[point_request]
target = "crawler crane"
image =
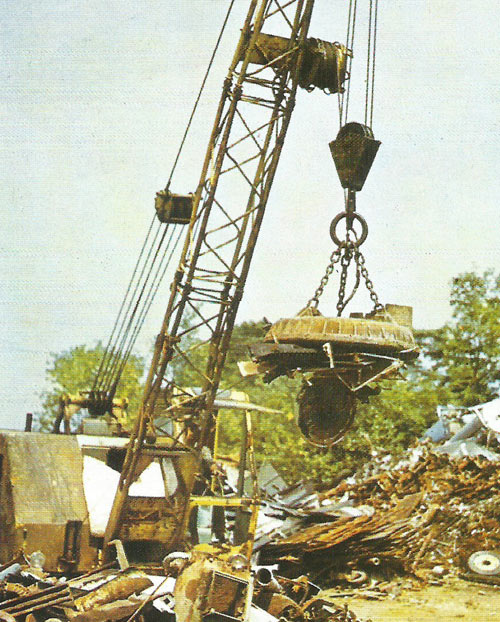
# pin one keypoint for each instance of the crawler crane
(339, 357)
(223, 218)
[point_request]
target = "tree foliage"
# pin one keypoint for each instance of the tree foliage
(459, 364)
(466, 351)
(74, 370)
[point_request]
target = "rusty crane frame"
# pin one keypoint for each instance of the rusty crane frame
(226, 212)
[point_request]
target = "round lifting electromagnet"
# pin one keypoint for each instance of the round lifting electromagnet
(342, 359)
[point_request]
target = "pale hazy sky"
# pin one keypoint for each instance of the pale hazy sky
(95, 99)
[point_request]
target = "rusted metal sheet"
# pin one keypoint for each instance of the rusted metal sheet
(210, 586)
(116, 610)
(429, 516)
(46, 477)
(43, 503)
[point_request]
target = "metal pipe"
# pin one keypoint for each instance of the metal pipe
(265, 578)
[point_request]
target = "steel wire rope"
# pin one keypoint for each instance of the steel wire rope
(368, 61)
(109, 378)
(118, 337)
(124, 353)
(117, 320)
(155, 285)
(340, 92)
(188, 127)
(351, 26)
(373, 61)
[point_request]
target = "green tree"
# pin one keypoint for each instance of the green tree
(74, 370)
(466, 351)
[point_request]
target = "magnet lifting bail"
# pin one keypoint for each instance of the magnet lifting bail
(350, 217)
(359, 238)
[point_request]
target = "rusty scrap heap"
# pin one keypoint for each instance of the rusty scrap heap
(28, 594)
(423, 518)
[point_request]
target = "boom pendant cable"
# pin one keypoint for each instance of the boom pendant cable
(133, 307)
(104, 361)
(155, 284)
(129, 317)
(111, 352)
(188, 127)
(373, 61)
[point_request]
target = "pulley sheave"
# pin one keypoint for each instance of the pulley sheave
(353, 152)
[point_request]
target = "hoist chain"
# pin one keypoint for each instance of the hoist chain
(345, 262)
(334, 259)
(344, 255)
(342, 302)
(346, 252)
(360, 262)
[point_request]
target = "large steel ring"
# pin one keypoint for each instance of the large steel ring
(355, 216)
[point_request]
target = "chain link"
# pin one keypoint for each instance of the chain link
(344, 262)
(343, 302)
(347, 250)
(334, 259)
(344, 255)
(360, 261)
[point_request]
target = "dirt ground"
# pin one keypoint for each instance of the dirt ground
(458, 600)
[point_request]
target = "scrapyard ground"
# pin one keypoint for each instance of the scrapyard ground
(453, 601)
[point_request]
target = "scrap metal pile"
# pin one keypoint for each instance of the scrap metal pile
(423, 518)
(30, 595)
